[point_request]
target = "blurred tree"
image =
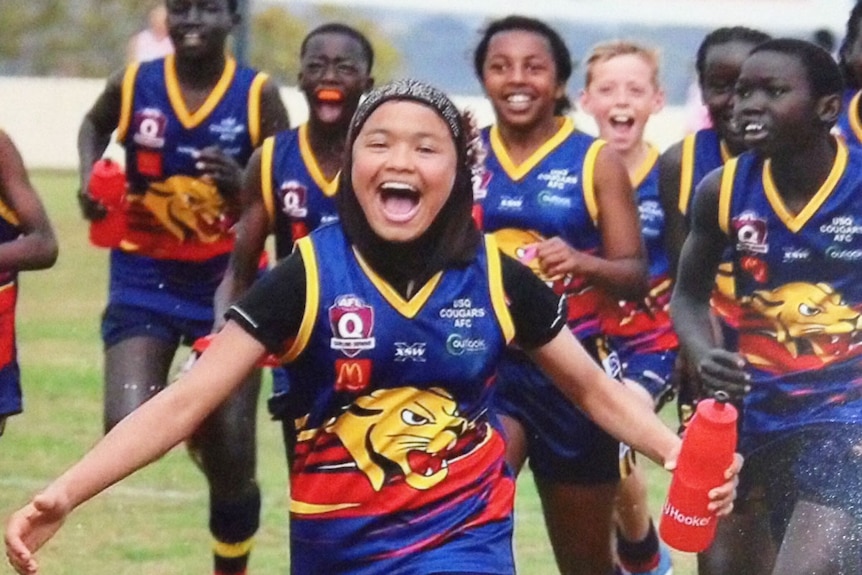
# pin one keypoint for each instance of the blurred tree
(88, 38)
(277, 35)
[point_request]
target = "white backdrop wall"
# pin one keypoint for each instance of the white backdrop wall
(42, 115)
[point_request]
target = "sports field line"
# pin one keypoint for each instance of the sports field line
(31, 484)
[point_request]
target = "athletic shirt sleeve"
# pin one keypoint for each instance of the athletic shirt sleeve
(271, 311)
(537, 312)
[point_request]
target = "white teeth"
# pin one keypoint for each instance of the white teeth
(518, 98)
(753, 127)
(620, 118)
(397, 186)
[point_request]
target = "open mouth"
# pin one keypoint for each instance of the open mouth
(622, 122)
(400, 200)
(754, 131)
(192, 38)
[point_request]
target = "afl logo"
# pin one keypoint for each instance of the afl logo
(352, 324)
(750, 233)
(294, 199)
(149, 127)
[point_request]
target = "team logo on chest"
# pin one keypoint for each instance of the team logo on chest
(294, 199)
(149, 126)
(352, 324)
(750, 233)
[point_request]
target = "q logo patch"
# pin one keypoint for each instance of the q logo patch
(294, 199)
(352, 324)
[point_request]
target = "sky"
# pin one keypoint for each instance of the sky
(775, 15)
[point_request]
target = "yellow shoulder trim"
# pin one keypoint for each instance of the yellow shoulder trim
(853, 115)
(254, 107)
(328, 187)
(266, 159)
(312, 299)
(725, 193)
(588, 180)
(127, 93)
(686, 173)
(498, 294)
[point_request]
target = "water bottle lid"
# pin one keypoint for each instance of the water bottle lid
(717, 411)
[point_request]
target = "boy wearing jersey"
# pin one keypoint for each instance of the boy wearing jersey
(27, 242)
(559, 201)
(789, 212)
(291, 180)
(188, 123)
(621, 93)
(399, 468)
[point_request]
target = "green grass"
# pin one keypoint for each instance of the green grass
(155, 521)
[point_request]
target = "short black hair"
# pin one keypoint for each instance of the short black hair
(822, 70)
(339, 28)
(726, 35)
(850, 38)
(233, 6)
(559, 50)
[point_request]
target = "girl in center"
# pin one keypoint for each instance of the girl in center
(561, 202)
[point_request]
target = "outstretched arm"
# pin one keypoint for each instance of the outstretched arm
(36, 248)
(142, 437)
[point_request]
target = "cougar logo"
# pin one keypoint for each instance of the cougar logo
(799, 311)
(187, 207)
(403, 431)
(520, 244)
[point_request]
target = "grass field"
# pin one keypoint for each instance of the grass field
(154, 523)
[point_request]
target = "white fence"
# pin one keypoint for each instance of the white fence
(42, 115)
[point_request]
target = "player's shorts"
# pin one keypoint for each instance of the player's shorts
(820, 464)
(563, 444)
(121, 322)
(653, 372)
(10, 374)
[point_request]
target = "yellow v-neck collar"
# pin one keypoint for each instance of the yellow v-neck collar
(189, 119)
(795, 222)
(328, 187)
(407, 308)
(518, 171)
(646, 166)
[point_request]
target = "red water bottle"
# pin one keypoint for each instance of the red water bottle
(108, 187)
(707, 451)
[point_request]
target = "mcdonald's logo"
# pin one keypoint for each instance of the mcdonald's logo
(352, 375)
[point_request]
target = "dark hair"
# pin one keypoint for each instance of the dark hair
(559, 50)
(726, 35)
(850, 38)
(233, 6)
(338, 28)
(822, 71)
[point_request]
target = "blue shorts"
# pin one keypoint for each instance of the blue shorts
(652, 371)
(121, 322)
(818, 464)
(563, 444)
